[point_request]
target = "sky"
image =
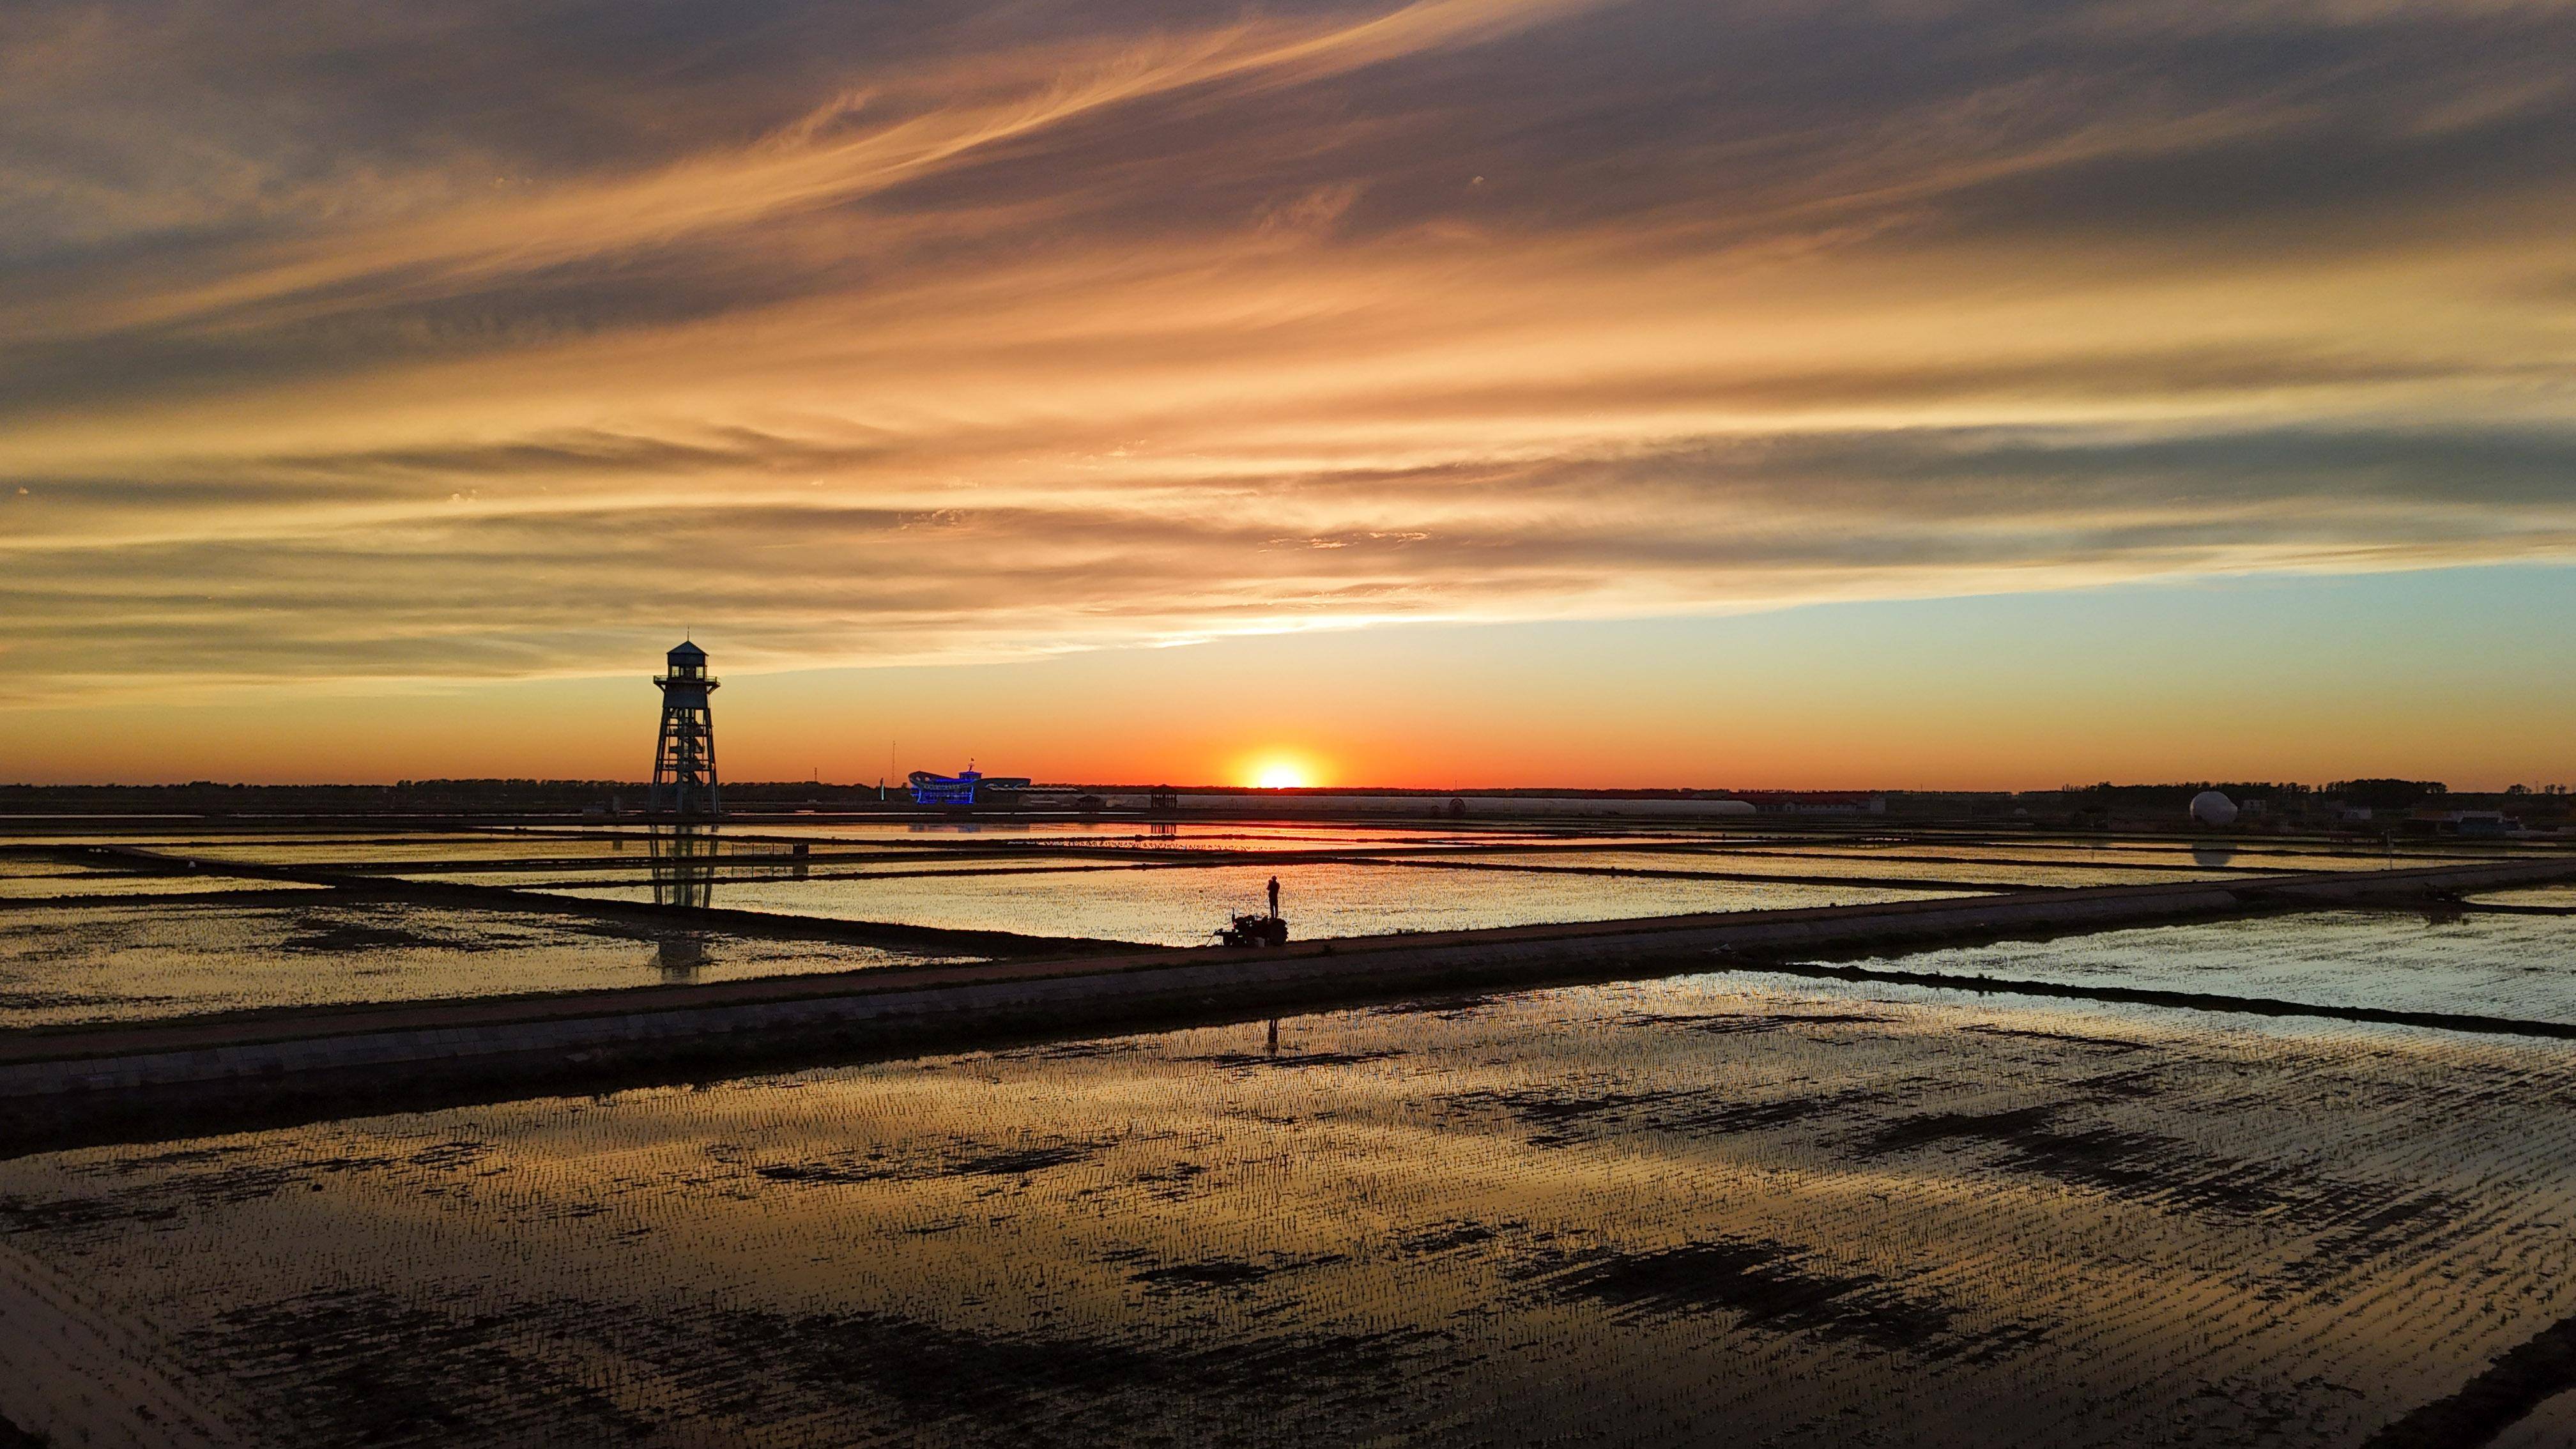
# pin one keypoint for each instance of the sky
(1947, 395)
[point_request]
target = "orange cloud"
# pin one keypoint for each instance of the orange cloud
(948, 335)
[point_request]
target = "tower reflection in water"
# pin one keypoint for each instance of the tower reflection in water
(686, 860)
(684, 874)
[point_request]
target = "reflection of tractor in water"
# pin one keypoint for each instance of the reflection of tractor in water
(1267, 930)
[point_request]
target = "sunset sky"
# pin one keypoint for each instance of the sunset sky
(1449, 393)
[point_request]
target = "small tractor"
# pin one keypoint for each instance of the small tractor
(1255, 931)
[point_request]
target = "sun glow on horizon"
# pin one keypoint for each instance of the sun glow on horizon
(1275, 772)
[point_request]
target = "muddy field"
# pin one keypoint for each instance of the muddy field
(1735, 1208)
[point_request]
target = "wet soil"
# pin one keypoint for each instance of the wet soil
(1779, 1286)
(2516, 1383)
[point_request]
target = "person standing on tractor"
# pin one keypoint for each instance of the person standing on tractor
(1274, 898)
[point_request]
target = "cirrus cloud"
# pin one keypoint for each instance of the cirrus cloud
(358, 341)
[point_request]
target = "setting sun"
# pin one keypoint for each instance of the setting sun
(1277, 774)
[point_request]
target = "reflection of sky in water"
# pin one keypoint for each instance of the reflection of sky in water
(739, 868)
(175, 839)
(1213, 835)
(1785, 863)
(1182, 907)
(181, 956)
(1683, 1212)
(337, 852)
(115, 963)
(973, 841)
(2556, 897)
(20, 868)
(2522, 967)
(2240, 855)
(37, 888)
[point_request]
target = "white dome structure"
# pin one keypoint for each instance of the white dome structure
(2211, 808)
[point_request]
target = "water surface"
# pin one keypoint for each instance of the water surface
(1717, 1209)
(64, 966)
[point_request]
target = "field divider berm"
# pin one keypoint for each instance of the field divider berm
(67, 1085)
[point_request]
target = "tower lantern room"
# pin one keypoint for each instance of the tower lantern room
(684, 757)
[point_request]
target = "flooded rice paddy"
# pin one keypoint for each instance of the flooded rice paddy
(1815, 864)
(1707, 1209)
(2513, 966)
(2555, 898)
(63, 966)
(139, 925)
(1181, 907)
(2256, 855)
(1732, 1207)
(38, 887)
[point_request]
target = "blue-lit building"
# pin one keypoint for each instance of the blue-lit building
(965, 788)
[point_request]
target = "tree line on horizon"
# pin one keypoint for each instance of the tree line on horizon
(507, 794)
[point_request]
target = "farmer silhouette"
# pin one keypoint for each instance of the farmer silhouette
(1274, 898)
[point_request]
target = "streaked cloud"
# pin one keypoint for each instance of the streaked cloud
(372, 342)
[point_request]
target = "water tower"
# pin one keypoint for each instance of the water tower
(684, 761)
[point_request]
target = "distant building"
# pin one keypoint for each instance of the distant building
(966, 788)
(2475, 824)
(1815, 802)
